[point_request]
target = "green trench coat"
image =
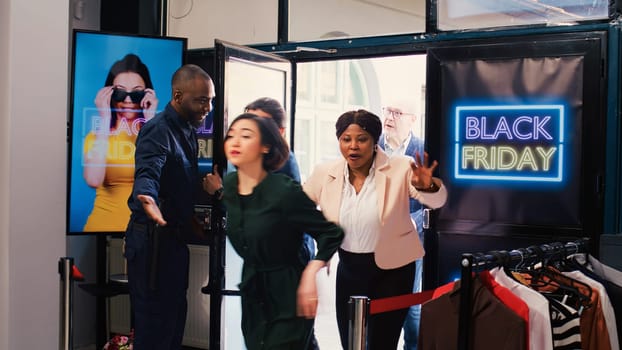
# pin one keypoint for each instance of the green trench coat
(266, 229)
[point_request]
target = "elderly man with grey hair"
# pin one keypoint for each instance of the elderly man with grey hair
(398, 138)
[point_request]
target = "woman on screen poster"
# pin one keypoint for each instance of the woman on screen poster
(124, 104)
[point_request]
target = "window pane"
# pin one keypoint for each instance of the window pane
(313, 20)
(397, 82)
(470, 14)
(353, 84)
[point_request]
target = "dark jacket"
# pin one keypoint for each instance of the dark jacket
(166, 168)
(266, 230)
(493, 326)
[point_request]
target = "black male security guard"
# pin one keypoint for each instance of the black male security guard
(166, 181)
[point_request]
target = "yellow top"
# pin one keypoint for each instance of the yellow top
(110, 211)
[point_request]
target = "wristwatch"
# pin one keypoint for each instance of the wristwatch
(218, 193)
(433, 188)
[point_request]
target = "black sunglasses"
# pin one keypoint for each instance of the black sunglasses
(119, 95)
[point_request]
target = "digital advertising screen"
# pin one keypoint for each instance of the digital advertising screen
(118, 83)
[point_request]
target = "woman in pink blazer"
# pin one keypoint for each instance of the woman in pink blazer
(367, 193)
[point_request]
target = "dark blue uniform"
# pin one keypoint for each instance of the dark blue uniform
(158, 257)
(290, 168)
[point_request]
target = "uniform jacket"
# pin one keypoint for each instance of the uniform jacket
(166, 168)
(398, 242)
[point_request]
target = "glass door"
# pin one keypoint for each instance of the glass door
(324, 90)
(242, 75)
(328, 88)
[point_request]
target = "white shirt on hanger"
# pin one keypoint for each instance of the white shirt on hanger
(607, 308)
(540, 333)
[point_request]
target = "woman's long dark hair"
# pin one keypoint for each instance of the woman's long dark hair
(129, 63)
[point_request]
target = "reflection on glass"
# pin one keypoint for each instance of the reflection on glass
(369, 83)
(245, 82)
(246, 79)
(314, 20)
(303, 84)
(359, 86)
(471, 14)
(329, 80)
(303, 125)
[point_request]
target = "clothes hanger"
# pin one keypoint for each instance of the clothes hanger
(547, 275)
(542, 275)
(509, 269)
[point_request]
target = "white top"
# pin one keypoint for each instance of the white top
(359, 215)
(606, 272)
(540, 333)
(605, 302)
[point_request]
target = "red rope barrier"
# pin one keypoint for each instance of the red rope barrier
(399, 302)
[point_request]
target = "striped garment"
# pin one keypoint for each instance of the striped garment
(565, 325)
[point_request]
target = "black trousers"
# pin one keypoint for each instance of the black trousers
(158, 281)
(358, 274)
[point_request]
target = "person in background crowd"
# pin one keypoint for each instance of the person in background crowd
(166, 183)
(267, 216)
(125, 102)
(367, 193)
(400, 115)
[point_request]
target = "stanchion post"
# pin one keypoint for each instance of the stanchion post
(65, 266)
(357, 322)
(464, 317)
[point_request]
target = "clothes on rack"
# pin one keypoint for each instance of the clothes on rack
(540, 331)
(565, 326)
(593, 326)
(604, 303)
(508, 299)
(494, 325)
(560, 301)
(610, 278)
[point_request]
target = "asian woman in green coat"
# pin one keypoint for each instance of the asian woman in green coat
(267, 215)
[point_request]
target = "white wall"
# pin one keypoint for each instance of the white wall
(84, 14)
(33, 96)
(4, 175)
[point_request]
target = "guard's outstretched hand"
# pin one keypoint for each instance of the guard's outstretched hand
(151, 209)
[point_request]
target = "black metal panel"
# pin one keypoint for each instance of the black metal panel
(462, 234)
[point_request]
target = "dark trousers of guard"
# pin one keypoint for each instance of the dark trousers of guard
(157, 267)
(358, 274)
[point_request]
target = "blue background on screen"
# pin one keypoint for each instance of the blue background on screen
(94, 55)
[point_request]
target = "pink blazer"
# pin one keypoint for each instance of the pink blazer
(398, 242)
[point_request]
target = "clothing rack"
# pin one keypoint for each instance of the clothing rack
(480, 261)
